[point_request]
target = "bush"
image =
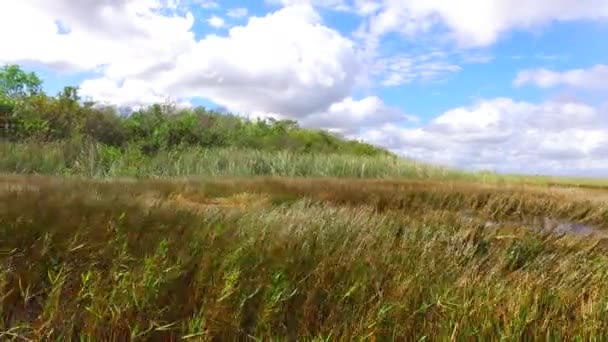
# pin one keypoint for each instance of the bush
(159, 127)
(106, 127)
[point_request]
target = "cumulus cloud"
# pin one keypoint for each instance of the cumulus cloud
(594, 78)
(131, 93)
(120, 37)
(349, 115)
(473, 23)
(286, 62)
(508, 136)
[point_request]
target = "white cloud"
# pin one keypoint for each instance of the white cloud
(594, 78)
(207, 4)
(132, 92)
(339, 5)
(216, 22)
(361, 8)
(477, 22)
(428, 66)
(507, 136)
(237, 12)
(401, 69)
(285, 65)
(123, 38)
(367, 7)
(349, 115)
(286, 62)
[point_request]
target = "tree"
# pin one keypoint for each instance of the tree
(69, 94)
(16, 83)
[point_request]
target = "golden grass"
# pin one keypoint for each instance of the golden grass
(290, 258)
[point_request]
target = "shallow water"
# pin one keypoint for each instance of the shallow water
(548, 224)
(560, 227)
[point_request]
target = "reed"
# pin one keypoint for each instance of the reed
(269, 258)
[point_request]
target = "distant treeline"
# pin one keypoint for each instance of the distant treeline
(28, 114)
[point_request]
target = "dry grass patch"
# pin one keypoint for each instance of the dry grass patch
(242, 201)
(287, 259)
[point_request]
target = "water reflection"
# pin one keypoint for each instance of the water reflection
(543, 225)
(564, 227)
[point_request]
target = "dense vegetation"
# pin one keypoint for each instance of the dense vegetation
(260, 259)
(28, 114)
(97, 160)
(65, 135)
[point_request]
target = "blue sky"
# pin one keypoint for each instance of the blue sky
(502, 85)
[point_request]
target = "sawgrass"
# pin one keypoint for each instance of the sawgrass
(96, 160)
(99, 161)
(269, 258)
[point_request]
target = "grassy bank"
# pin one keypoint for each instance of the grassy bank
(275, 258)
(98, 160)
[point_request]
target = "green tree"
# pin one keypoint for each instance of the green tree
(27, 113)
(16, 83)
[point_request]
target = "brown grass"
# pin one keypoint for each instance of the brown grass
(276, 258)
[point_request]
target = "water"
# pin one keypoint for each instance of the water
(566, 227)
(548, 224)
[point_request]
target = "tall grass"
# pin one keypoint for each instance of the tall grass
(96, 160)
(160, 260)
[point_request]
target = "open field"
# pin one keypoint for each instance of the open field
(314, 258)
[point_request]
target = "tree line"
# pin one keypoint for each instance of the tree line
(27, 113)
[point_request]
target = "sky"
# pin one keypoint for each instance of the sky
(505, 85)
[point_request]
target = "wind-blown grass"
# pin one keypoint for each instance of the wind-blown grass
(96, 160)
(263, 259)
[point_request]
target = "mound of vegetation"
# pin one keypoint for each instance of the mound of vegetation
(28, 114)
(63, 134)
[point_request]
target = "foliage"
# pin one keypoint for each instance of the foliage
(33, 115)
(16, 83)
(89, 158)
(16, 86)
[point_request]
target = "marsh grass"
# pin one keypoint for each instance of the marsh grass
(268, 258)
(90, 159)
(96, 160)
